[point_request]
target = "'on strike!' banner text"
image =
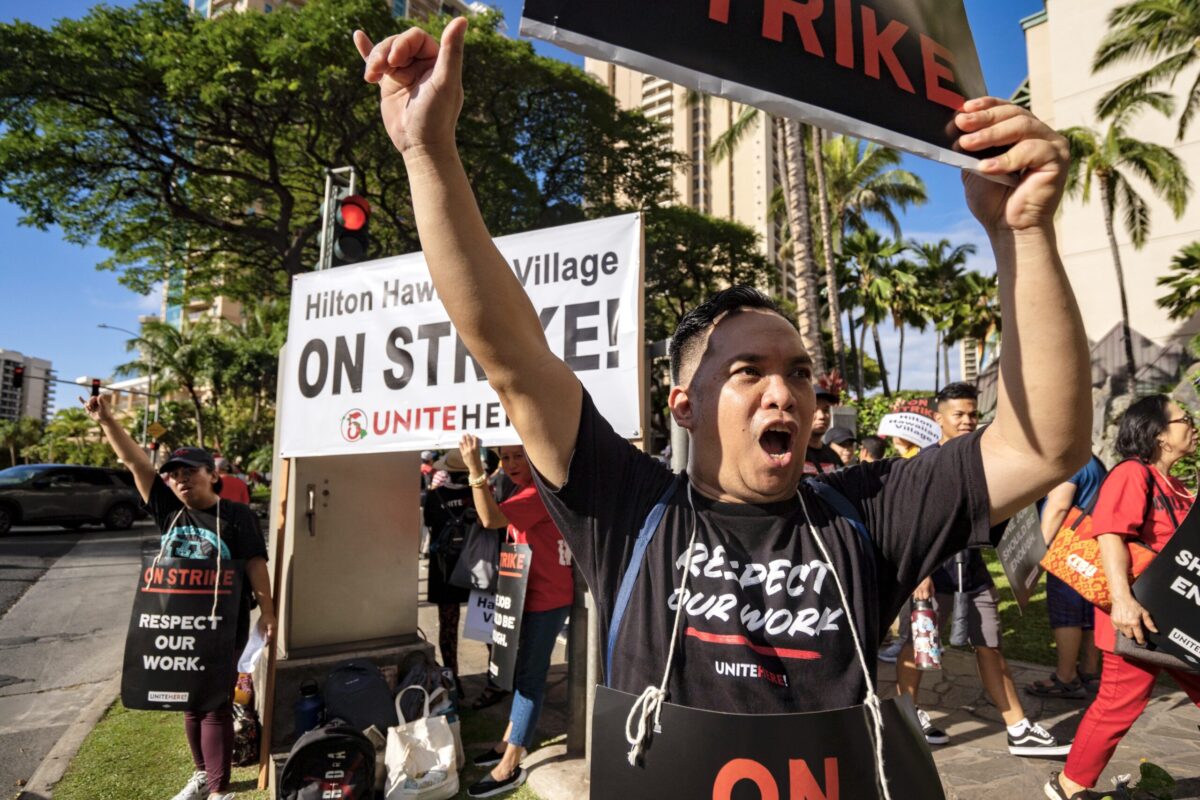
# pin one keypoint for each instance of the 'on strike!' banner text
(373, 363)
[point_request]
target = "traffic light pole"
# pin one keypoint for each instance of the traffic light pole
(334, 183)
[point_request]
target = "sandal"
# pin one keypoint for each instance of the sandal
(1056, 688)
(1091, 683)
(491, 695)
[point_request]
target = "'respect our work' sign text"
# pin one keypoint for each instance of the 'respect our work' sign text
(894, 71)
(373, 363)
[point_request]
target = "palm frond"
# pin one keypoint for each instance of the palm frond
(1135, 214)
(724, 145)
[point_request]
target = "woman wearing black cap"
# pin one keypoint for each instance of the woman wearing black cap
(195, 523)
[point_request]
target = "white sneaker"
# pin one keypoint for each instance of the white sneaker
(229, 796)
(196, 788)
(933, 734)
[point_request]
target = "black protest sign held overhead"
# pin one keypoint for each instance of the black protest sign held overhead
(822, 755)
(179, 654)
(511, 583)
(1021, 551)
(1170, 590)
(894, 71)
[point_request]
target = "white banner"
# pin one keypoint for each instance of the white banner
(373, 363)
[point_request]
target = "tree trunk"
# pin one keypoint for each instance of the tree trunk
(887, 392)
(12, 454)
(862, 354)
(900, 359)
(795, 192)
(831, 283)
(198, 409)
(946, 362)
(854, 357)
(937, 351)
(1126, 330)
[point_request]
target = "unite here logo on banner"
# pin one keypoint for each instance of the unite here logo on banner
(373, 363)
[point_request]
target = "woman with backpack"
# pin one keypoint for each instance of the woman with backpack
(1139, 501)
(548, 598)
(183, 495)
(449, 514)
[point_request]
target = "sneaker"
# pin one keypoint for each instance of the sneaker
(933, 734)
(229, 796)
(1036, 741)
(889, 653)
(489, 786)
(488, 758)
(196, 788)
(1055, 791)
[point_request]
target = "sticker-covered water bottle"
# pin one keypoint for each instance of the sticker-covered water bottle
(927, 644)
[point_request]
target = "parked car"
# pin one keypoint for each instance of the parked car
(68, 495)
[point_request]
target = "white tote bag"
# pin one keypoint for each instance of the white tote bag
(420, 757)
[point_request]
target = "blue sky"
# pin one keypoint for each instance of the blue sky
(55, 298)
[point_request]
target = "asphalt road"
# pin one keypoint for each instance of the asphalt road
(64, 607)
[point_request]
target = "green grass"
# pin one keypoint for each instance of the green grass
(143, 755)
(1028, 636)
(139, 755)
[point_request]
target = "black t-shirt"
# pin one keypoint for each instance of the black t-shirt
(194, 535)
(765, 631)
(975, 575)
(819, 460)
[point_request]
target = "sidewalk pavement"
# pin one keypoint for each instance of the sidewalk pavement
(61, 646)
(975, 765)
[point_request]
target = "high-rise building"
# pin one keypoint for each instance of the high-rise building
(34, 396)
(737, 188)
(1063, 91)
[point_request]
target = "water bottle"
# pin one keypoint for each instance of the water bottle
(927, 644)
(309, 708)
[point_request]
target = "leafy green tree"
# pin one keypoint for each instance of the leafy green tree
(70, 437)
(1109, 158)
(865, 179)
(194, 149)
(1166, 30)
(1183, 300)
(19, 434)
(972, 312)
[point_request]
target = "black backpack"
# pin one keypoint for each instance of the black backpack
(357, 693)
(447, 544)
(333, 762)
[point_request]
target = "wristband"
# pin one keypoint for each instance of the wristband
(476, 483)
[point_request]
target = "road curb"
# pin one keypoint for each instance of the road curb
(54, 765)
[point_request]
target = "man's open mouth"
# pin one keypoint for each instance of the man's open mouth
(776, 442)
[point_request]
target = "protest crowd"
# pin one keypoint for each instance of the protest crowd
(768, 578)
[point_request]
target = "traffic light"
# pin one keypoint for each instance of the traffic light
(18, 379)
(95, 387)
(350, 239)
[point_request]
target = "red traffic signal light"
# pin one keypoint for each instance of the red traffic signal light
(95, 387)
(18, 378)
(350, 239)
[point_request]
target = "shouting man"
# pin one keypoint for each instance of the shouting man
(742, 385)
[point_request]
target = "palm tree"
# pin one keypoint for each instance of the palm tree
(73, 425)
(878, 279)
(792, 157)
(939, 267)
(1183, 301)
(864, 179)
(1168, 30)
(909, 308)
(973, 312)
(1110, 158)
(177, 355)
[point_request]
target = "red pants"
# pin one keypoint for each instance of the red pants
(1125, 688)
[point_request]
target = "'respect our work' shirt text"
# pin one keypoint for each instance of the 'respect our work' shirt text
(764, 630)
(194, 535)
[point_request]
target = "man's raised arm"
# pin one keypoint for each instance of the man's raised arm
(1042, 430)
(421, 96)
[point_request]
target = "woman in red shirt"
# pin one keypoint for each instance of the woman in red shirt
(548, 600)
(1138, 500)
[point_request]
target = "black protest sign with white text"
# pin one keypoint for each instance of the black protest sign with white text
(512, 579)
(894, 71)
(1170, 590)
(179, 653)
